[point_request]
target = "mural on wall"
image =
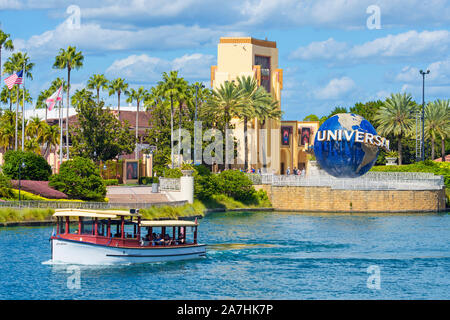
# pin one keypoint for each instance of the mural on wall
(132, 170)
(285, 132)
(305, 134)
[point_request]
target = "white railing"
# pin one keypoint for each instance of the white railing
(370, 181)
(169, 184)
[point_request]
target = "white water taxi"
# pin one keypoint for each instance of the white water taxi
(114, 237)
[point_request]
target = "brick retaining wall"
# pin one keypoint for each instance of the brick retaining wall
(326, 199)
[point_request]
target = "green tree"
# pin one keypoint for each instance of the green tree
(138, 96)
(97, 82)
(437, 124)
(17, 62)
(118, 86)
(258, 103)
(36, 167)
(68, 59)
(5, 43)
(367, 110)
(396, 117)
(311, 117)
(99, 134)
(79, 178)
(172, 87)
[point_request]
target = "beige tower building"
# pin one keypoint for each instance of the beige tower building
(246, 56)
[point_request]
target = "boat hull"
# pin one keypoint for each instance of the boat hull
(77, 252)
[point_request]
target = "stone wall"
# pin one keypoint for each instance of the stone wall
(325, 199)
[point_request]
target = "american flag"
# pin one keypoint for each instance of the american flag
(13, 79)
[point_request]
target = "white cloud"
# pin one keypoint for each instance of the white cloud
(342, 14)
(439, 74)
(335, 89)
(407, 45)
(144, 69)
(92, 38)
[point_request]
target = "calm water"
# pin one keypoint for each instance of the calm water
(255, 256)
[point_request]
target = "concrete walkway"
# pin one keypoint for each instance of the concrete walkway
(142, 194)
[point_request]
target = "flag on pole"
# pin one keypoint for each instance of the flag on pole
(51, 101)
(13, 79)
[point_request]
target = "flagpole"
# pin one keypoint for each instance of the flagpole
(23, 106)
(17, 119)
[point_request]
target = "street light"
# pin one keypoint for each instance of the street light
(195, 123)
(22, 165)
(423, 112)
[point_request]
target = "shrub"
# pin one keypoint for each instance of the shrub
(438, 168)
(111, 182)
(205, 186)
(237, 185)
(36, 167)
(173, 173)
(5, 186)
(79, 178)
(148, 180)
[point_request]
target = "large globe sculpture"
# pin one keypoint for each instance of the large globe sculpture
(345, 158)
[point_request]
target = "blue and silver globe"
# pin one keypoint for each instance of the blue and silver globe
(345, 159)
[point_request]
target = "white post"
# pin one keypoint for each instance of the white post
(187, 188)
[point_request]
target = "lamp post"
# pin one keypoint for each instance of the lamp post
(22, 165)
(423, 112)
(195, 123)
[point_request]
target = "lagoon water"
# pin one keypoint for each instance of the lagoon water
(255, 255)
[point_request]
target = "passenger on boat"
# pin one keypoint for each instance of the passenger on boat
(158, 240)
(180, 239)
(167, 240)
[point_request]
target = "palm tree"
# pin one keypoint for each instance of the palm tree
(257, 103)
(17, 62)
(97, 82)
(50, 138)
(68, 59)
(7, 130)
(171, 86)
(40, 102)
(396, 117)
(137, 95)
(118, 86)
(6, 96)
(437, 124)
(7, 44)
(225, 101)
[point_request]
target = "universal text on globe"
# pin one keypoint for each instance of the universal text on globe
(353, 136)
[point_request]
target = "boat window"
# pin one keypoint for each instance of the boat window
(61, 225)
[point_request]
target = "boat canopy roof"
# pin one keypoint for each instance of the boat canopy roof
(94, 213)
(168, 223)
(69, 213)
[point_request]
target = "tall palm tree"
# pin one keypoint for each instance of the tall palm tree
(40, 102)
(68, 59)
(118, 86)
(50, 138)
(17, 62)
(97, 82)
(6, 96)
(7, 130)
(138, 96)
(225, 101)
(396, 117)
(171, 86)
(437, 124)
(257, 104)
(5, 43)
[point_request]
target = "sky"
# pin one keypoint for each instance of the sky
(332, 52)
